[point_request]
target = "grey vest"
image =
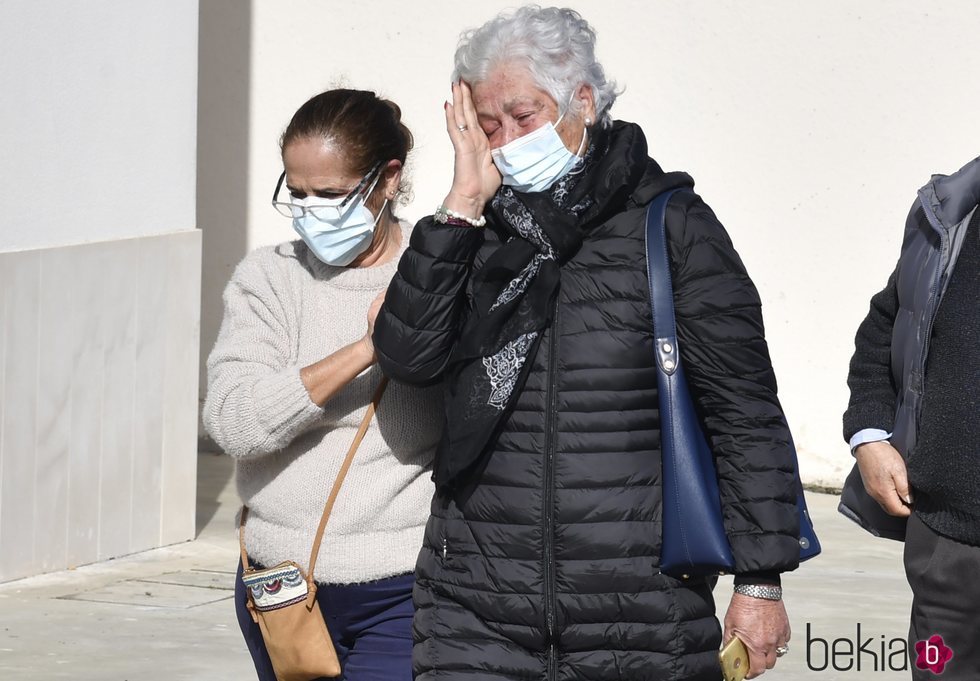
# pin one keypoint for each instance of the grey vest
(934, 234)
(933, 240)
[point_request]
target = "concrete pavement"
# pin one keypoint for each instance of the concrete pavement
(167, 614)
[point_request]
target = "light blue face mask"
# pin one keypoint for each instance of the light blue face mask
(535, 161)
(337, 235)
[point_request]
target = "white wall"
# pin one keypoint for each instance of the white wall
(807, 126)
(100, 268)
(97, 120)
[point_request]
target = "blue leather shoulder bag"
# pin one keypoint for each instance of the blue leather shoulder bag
(694, 542)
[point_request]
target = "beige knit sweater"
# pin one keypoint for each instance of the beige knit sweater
(284, 309)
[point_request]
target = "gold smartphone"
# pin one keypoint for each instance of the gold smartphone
(734, 659)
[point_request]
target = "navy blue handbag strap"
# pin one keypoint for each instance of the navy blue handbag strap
(665, 332)
(661, 288)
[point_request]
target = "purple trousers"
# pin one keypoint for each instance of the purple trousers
(370, 623)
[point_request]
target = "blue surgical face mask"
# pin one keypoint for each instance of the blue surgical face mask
(535, 161)
(340, 233)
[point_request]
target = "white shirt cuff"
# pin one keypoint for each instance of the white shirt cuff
(867, 435)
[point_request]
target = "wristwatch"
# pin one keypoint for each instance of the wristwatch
(769, 592)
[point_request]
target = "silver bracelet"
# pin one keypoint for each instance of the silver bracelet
(768, 592)
(443, 214)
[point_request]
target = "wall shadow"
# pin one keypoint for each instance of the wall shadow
(223, 116)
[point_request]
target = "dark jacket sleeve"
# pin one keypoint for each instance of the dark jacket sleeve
(417, 326)
(722, 341)
(873, 389)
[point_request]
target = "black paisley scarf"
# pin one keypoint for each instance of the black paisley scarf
(514, 294)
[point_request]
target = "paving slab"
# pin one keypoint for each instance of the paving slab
(160, 615)
(168, 614)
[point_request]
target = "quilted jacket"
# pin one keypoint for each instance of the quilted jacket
(547, 567)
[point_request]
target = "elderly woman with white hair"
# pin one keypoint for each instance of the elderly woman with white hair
(526, 295)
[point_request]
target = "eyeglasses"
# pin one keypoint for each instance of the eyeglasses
(332, 209)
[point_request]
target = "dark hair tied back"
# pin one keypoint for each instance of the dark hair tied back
(367, 129)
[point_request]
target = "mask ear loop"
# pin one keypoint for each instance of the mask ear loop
(364, 196)
(568, 106)
(381, 212)
(585, 131)
(581, 146)
(367, 194)
(580, 163)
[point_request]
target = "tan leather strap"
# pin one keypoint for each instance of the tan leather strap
(241, 536)
(344, 467)
(328, 507)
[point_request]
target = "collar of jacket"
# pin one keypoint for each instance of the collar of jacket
(948, 199)
(626, 176)
(646, 179)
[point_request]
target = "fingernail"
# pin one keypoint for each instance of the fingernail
(908, 499)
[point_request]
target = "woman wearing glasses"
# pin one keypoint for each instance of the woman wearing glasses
(292, 373)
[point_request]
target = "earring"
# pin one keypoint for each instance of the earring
(588, 121)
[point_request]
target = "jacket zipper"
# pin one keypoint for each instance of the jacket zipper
(935, 293)
(549, 495)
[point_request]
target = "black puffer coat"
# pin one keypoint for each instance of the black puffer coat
(548, 567)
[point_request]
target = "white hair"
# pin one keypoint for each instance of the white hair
(556, 44)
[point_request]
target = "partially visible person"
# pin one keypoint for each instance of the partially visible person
(526, 294)
(913, 421)
(293, 370)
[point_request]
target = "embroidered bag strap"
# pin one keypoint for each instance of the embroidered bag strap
(332, 498)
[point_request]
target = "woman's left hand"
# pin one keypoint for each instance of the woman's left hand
(762, 625)
(372, 315)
